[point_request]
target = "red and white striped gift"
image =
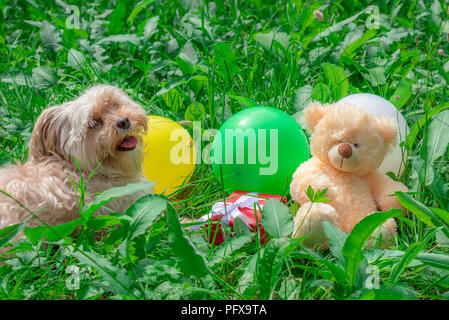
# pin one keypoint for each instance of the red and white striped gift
(239, 205)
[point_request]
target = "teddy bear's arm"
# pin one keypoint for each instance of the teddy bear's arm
(382, 187)
(308, 174)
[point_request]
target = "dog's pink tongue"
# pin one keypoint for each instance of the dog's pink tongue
(129, 142)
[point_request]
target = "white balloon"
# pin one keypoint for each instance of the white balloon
(378, 106)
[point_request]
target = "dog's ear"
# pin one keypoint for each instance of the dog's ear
(389, 130)
(313, 114)
(45, 137)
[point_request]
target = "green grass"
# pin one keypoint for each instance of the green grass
(204, 60)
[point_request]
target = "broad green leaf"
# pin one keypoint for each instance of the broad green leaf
(195, 112)
(396, 34)
(6, 234)
(143, 213)
(75, 59)
(438, 136)
(436, 10)
(290, 288)
(356, 240)
(173, 100)
(317, 196)
(144, 67)
(160, 65)
(441, 70)
(440, 190)
(376, 76)
(321, 92)
(137, 9)
(228, 247)
(52, 233)
(240, 228)
(339, 274)
(19, 79)
(198, 82)
(442, 240)
(116, 192)
(303, 96)
(417, 126)
(43, 77)
(422, 173)
(403, 93)
(173, 84)
(306, 18)
(442, 214)
(276, 218)
(267, 39)
(384, 293)
(337, 80)
(350, 37)
(117, 18)
(50, 37)
(115, 276)
(337, 238)
(422, 212)
(116, 236)
(101, 222)
(246, 282)
(440, 261)
(351, 49)
(190, 260)
(410, 254)
(33, 23)
(337, 27)
(120, 38)
(271, 265)
(247, 102)
(187, 59)
(226, 59)
(150, 26)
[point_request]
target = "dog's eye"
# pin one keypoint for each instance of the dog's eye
(94, 123)
(356, 145)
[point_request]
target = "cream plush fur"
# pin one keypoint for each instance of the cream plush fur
(102, 125)
(347, 145)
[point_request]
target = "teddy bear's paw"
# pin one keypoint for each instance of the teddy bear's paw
(385, 197)
(389, 202)
(309, 222)
(387, 234)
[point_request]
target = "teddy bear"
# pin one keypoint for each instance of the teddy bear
(347, 145)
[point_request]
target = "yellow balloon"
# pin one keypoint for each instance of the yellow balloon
(169, 154)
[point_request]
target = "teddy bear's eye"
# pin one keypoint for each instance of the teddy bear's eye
(356, 145)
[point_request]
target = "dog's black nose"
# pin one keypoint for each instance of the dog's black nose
(123, 123)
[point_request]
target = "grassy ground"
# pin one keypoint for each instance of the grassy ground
(204, 60)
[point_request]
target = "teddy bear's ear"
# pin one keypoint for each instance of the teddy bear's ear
(389, 130)
(313, 114)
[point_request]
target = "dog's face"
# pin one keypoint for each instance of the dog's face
(103, 125)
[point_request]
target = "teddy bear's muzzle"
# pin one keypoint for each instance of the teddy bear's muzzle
(344, 157)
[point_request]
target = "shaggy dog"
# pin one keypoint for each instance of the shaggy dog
(102, 126)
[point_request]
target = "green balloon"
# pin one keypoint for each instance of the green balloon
(258, 150)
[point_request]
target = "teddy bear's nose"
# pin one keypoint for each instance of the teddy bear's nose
(345, 150)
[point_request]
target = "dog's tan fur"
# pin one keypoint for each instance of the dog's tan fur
(65, 132)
